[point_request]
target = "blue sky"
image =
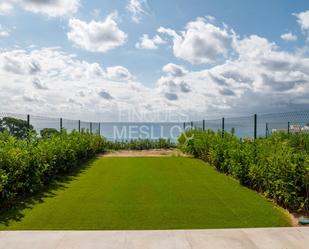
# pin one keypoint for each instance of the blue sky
(187, 71)
(265, 18)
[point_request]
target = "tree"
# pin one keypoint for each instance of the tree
(48, 132)
(17, 127)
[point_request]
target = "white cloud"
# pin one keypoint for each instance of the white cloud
(273, 79)
(257, 78)
(53, 82)
(288, 37)
(38, 84)
(5, 7)
(50, 8)
(253, 46)
(96, 36)
(200, 42)
(303, 20)
(172, 87)
(260, 79)
(4, 32)
(137, 9)
(174, 70)
(118, 73)
(147, 42)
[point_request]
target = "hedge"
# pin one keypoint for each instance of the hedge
(277, 166)
(141, 144)
(26, 165)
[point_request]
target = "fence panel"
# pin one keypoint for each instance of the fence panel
(85, 126)
(70, 125)
(40, 123)
(215, 125)
(95, 127)
(241, 126)
(289, 122)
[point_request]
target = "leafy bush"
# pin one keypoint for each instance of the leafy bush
(277, 166)
(141, 144)
(48, 132)
(27, 165)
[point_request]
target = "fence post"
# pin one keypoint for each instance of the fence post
(28, 125)
(203, 124)
(288, 127)
(78, 125)
(223, 127)
(90, 127)
(60, 124)
(184, 126)
(255, 126)
(99, 129)
(266, 130)
(191, 125)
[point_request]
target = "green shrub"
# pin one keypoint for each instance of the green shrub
(277, 166)
(27, 165)
(48, 132)
(140, 144)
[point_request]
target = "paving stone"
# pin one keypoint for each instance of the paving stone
(156, 240)
(221, 238)
(93, 240)
(285, 238)
(30, 240)
(259, 238)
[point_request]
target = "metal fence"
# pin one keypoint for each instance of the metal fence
(257, 125)
(252, 126)
(59, 124)
(111, 130)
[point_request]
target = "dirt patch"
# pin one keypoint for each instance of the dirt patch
(145, 153)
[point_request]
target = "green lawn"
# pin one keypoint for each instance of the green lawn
(146, 193)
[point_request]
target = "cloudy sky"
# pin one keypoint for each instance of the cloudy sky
(126, 60)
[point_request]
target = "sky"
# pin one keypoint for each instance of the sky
(153, 60)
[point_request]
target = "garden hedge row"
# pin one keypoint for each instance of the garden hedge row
(26, 165)
(277, 166)
(141, 144)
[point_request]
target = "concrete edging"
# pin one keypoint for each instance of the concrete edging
(252, 238)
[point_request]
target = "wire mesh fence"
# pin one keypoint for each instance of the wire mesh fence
(39, 123)
(291, 122)
(119, 131)
(252, 126)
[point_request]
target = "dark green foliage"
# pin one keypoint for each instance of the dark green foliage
(48, 132)
(277, 166)
(141, 144)
(27, 165)
(17, 127)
